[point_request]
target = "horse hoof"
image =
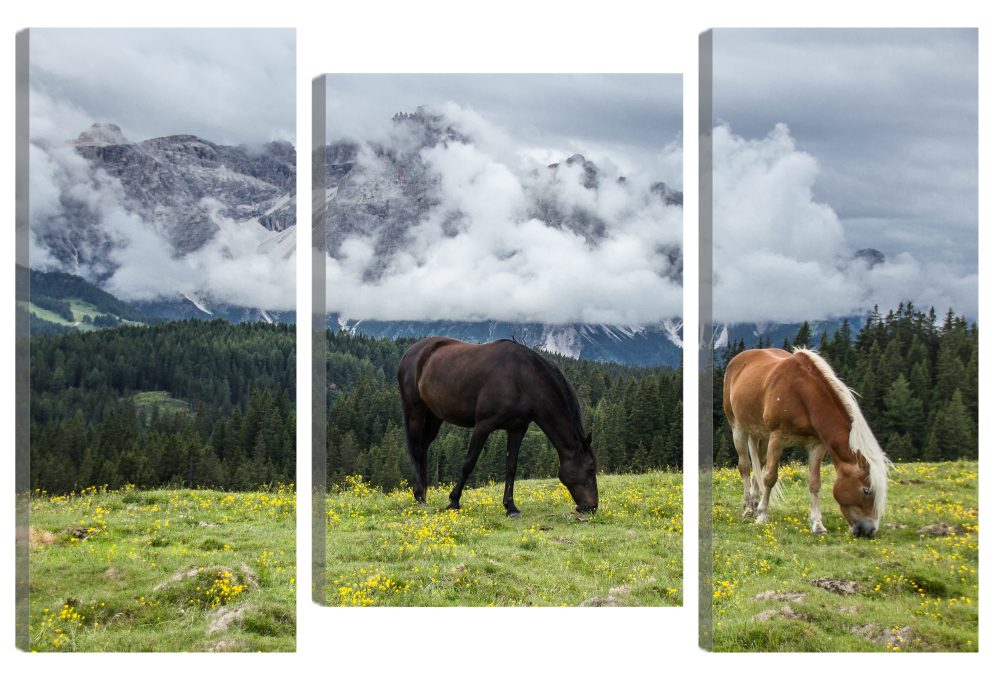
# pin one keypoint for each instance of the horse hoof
(453, 506)
(748, 513)
(514, 515)
(818, 531)
(762, 519)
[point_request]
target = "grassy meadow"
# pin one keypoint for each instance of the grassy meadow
(79, 308)
(384, 550)
(163, 571)
(912, 588)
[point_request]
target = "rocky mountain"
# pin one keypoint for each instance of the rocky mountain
(643, 345)
(171, 195)
(166, 180)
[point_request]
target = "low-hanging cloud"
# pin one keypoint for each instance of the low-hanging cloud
(510, 238)
(781, 256)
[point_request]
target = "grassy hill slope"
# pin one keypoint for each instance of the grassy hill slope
(912, 591)
(163, 571)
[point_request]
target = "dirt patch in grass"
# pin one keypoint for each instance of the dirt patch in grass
(882, 636)
(41, 537)
(942, 529)
(112, 574)
(837, 585)
(792, 596)
(222, 617)
(615, 598)
(224, 646)
(785, 612)
(912, 481)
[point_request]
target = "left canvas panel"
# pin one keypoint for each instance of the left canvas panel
(159, 291)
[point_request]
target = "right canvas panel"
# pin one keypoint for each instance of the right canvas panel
(844, 309)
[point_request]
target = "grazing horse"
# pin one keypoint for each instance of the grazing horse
(778, 399)
(499, 386)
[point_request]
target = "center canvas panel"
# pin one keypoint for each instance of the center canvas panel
(503, 313)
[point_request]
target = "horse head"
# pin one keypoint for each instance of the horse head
(578, 472)
(854, 493)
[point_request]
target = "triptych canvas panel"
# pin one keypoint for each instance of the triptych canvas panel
(496, 395)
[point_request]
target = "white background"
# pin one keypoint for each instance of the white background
(511, 36)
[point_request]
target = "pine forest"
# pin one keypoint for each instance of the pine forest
(633, 412)
(186, 403)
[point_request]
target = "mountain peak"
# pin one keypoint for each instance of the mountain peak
(434, 126)
(102, 134)
(870, 256)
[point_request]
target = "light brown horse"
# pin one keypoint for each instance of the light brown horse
(778, 399)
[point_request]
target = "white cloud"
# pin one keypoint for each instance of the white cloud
(781, 256)
(502, 263)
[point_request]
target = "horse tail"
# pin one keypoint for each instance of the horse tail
(777, 491)
(406, 429)
(862, 440)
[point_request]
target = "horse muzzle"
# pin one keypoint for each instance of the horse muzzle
(586, 507)
(864, 528)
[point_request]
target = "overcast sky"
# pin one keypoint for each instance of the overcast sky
(881, 125)
(629, 117)
(502, 264)
(228, 86)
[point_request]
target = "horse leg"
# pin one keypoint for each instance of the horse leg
(774, 448)
(479, 434)
(432, 424)
(756, 463)
(416, 421)
(514, 438)
(816, 454)
(741, 441)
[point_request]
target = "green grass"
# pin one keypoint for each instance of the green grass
(383, 550)
(167, 405)
(916, 593)
(163, 570)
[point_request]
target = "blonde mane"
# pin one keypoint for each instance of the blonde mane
(862, 441)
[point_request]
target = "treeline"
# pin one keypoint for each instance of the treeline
(86, 375)
(237, 451)
(93, 423)
(917, 381)
(39, 326)
(633, 412)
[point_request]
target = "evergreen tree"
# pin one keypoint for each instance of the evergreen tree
(804, 337)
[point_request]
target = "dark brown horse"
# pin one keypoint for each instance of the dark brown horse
(773, 400)
(499, 386)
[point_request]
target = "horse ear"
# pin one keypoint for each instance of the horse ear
(586, 442)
